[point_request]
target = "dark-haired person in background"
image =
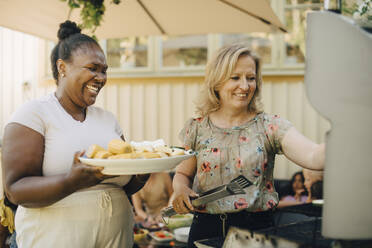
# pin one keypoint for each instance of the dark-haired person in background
(312, 177)
(317, 190)
(62, 202)
(297, 191)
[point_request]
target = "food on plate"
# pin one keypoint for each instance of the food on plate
(121, 156)
(162, 235)
(102, 154)
(177, 151)
(144, 149)
(163, 154)
(119, 149)
(118, 146)
(164, 149)
(151, 155)
(93, 149)
(139, 234)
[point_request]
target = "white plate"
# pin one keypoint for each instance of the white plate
(135, 166)
(165, 236)
(319, 202)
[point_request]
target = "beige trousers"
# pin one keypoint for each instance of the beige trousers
(97, 218)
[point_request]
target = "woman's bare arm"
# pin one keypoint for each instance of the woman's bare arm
(181, 184)
(22, 160)
(303, 151)
(137, 204)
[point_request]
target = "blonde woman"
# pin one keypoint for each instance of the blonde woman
(232, 137)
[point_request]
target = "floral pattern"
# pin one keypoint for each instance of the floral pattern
(225, 153)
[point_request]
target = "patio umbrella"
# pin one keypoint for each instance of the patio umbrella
(145, 17)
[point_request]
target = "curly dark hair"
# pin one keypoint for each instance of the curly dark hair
(317, 190)
(70, 39)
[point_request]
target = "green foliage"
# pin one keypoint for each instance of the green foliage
(91, 12)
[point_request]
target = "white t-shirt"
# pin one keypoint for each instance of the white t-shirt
(64, 135)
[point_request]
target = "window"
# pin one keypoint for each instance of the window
(261, 43)
(184, 51)
(295, 21)
(127, 53)
(188, 55)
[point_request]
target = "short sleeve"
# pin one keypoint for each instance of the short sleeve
(30, 115)
(188, 134)
(118, 129)
(276, 128)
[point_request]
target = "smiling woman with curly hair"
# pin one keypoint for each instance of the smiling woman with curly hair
(63, 202)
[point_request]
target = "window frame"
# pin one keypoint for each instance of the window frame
(282, 8)
(214, 42)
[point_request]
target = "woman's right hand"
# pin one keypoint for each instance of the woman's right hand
(84, 176)
(182, 200)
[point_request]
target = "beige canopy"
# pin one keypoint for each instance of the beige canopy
(145, 17)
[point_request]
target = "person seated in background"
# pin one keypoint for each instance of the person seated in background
(297, 194)
(311, 177)
(317, 190)
(152, 198)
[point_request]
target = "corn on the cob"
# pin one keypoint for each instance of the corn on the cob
(121, 156)
(102, 154)
(117, 146)
(93, 149)
(137, 155)
(163, 154)
(150, 155)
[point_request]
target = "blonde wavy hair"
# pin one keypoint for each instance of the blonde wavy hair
(218, 71)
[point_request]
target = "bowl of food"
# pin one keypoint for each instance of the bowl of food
(139, 234)
(182, 234)
(178, 220)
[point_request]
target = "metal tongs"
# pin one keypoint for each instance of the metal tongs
(235, 187)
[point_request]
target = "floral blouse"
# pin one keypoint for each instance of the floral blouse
(225, 153)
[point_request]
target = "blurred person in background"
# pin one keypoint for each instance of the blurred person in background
(297, 194)
(312, 177)
(232, 137)
(153, 197)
